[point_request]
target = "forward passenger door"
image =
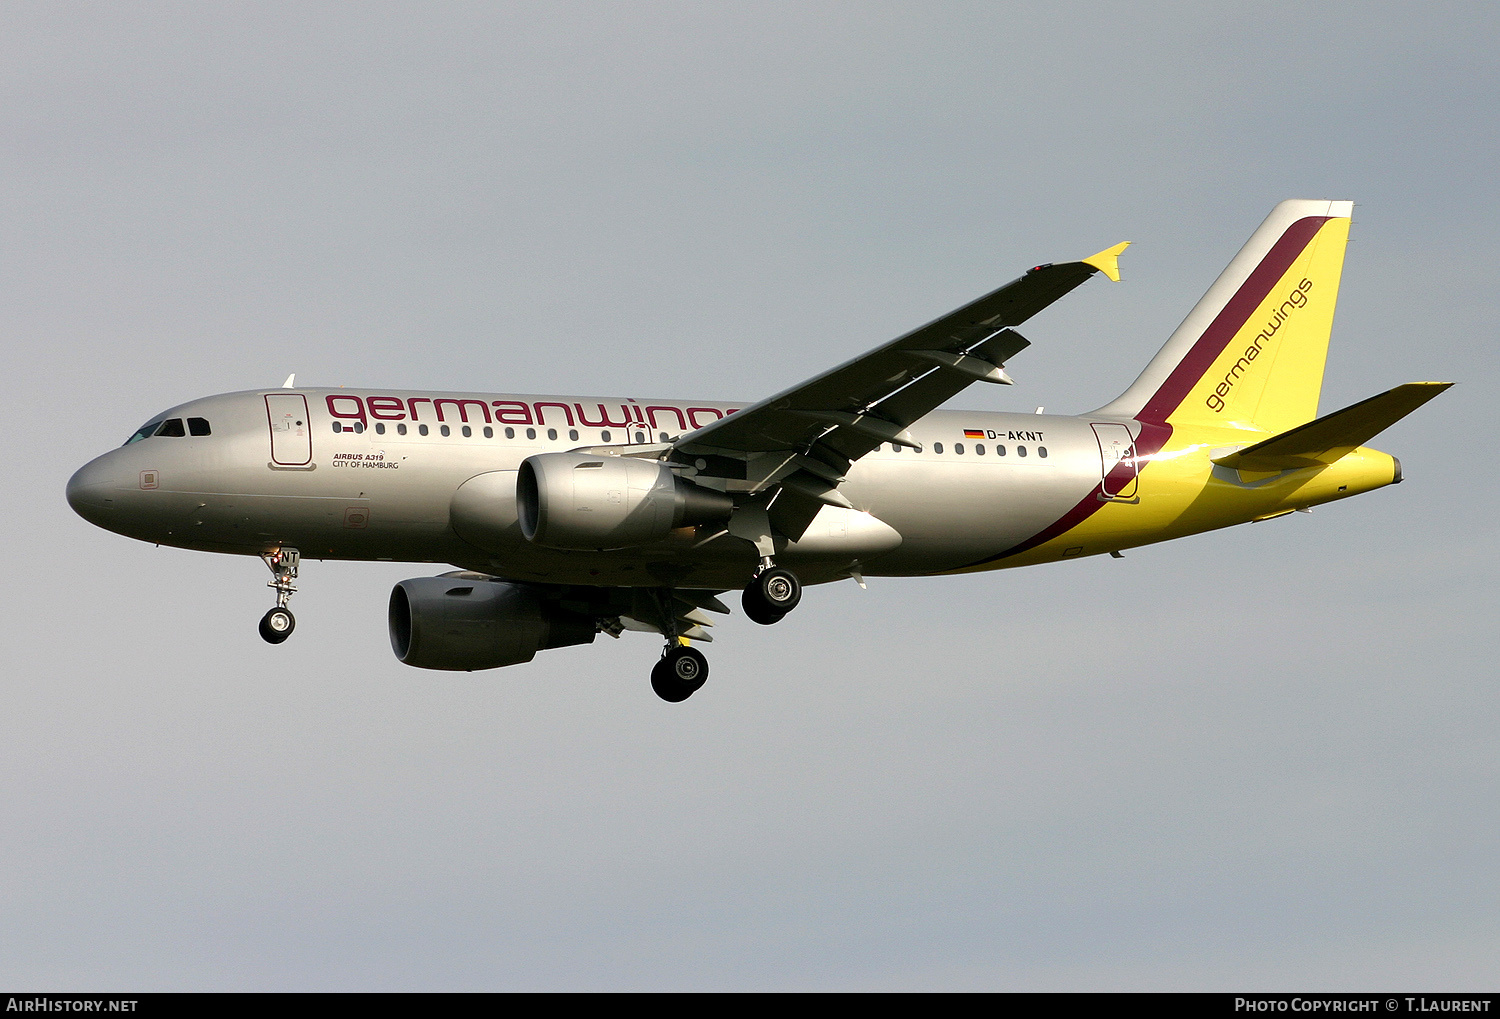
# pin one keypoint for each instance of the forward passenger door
(291, 431)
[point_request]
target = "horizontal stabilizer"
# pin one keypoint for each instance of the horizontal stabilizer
(1321, 442)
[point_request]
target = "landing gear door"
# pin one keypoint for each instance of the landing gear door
(291, 432)
(1116, 463)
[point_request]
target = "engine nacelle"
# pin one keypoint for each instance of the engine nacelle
(463, 623)
(591, 503)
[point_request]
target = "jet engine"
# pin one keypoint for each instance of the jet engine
(462, 622)
(591, 503)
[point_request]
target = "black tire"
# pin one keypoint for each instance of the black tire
(779, 589)
(756, 608)
(277, 625)
(679, 674)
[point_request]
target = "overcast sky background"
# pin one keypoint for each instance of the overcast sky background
(1256, 759)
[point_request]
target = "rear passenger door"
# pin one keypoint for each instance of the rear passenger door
(1117, 463)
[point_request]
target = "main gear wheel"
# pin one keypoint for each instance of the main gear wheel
(680, 673)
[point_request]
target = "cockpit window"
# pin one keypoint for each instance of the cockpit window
(149, 428)
(171, 427)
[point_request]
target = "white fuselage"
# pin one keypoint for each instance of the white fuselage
(382, 475)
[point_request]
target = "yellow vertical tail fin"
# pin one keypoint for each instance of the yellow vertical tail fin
(1251, 353)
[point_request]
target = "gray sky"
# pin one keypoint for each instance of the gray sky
(1261, 758)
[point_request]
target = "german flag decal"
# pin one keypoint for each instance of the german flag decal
(973, 433)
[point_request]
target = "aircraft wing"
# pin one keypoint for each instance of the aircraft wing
(804, 438)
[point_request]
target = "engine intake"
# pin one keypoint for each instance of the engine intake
(460, 623)
(592, 503)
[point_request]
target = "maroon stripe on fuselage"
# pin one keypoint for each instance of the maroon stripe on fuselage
(1152, 438)
(1153, 417)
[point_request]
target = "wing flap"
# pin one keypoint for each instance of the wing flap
(1332, 436)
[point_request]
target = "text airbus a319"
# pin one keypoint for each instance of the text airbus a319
(572, 516)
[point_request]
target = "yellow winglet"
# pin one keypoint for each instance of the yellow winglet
(1108, 260)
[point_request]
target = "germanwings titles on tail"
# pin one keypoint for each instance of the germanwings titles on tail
(572, 516)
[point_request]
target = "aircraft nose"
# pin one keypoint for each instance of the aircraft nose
(92, 490)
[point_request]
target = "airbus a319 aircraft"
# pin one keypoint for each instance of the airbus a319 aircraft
(572, 516)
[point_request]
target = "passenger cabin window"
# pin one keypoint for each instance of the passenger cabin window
(489, 433)
(421, 429)
(958, 449)
(198, 426)
(604, 436)
(999, 450)
(380, 428)
(1020, 451)
(531, 433)
(401, 429)
(510, 433)
(552, 434)
(979, 449)
(468, 432)
(937, 447)
(172, 427)
(1041, 451)
(573, 434)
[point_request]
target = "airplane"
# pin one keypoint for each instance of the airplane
(570, 516)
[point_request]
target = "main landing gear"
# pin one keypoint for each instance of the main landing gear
(771, 595)
(683, 670)
(679, 674)
(277, 624)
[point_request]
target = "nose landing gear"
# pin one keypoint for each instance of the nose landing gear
(277, 624)
(771, 595)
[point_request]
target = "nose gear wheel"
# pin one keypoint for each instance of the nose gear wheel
(277, 625)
